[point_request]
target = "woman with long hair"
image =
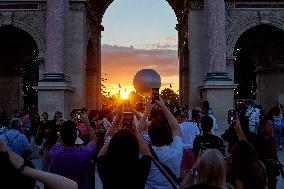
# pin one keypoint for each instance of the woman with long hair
(209, 172)
(244, 168)
(119, 163)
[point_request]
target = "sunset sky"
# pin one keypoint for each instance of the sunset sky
(139, 34)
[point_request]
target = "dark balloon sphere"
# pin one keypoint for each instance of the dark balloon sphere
(145, 80)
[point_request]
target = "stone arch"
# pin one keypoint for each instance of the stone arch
(243, 24)
(258, 63)
(19, 68)
(181, 11)
(33, 32)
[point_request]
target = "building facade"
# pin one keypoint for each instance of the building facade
(228, 50)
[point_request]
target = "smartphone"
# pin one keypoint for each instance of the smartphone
(155, 94)
(78, 115)
(127, 119)
(232, 115)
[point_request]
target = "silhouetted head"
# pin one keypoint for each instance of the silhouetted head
(16, 123)
(123, 146)
(265, 128)
(160, 132)
(195, 115)
(206, 123)
(68, 132)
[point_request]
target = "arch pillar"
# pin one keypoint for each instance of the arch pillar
(93, 68)
(218, 88)
(54, 91)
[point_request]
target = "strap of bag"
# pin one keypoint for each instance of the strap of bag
(251, 112)
(165, 170)
(11, 142)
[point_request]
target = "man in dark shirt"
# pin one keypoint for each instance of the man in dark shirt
(207, 139)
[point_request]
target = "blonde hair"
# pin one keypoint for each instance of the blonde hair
(211, 169)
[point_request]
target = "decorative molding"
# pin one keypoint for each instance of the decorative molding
(32, 22)
(196, 6)
(77, 6)
(270, 70)
(230, 60)
(6, 18)
(239, 21)
(43, 6)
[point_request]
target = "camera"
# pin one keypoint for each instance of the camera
(78, 114)
(232, 115)
(155, 95)
(127, 120)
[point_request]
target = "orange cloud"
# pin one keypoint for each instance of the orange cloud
(122, 63)
(164, 46)
(171, 38)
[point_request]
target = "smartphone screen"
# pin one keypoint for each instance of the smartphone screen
(155, 94)
(127, 119)
(232, 115)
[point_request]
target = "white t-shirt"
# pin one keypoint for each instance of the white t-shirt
(189, 131)
(170, 156)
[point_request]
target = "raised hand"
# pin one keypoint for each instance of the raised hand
(161, 102)
(149, 106)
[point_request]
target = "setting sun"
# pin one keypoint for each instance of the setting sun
(124, 94)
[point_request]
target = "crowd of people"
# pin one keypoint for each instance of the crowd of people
(158, 146)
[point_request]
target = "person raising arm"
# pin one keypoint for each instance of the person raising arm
(170, 117)
(51, 180)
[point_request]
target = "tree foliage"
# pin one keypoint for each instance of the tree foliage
(169, 95)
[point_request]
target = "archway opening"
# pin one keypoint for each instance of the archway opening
(18, 69)
(139, 35)
(259, 58)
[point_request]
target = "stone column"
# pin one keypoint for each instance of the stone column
(215, 11)
(218, 88)
(54, 92)
(55, 22)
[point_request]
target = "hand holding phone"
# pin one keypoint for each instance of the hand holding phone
(155, 95)
(232, 116)
(78, 115)
(127, 120)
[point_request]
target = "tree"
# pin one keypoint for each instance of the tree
(169, 95)
(135, 97)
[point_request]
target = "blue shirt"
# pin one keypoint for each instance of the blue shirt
(16, 141)
(277, 121)
(3, 130)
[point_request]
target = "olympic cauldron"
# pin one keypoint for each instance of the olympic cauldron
(145, 80)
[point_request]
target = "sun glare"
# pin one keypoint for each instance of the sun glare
(124, 94)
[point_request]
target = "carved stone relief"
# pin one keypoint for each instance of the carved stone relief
(196, 6)
(77, 6)
(32, 22)
(239, 21)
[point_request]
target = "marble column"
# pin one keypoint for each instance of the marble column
(218, 88)
(215, 16)
(54, 91)
(55, 22)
